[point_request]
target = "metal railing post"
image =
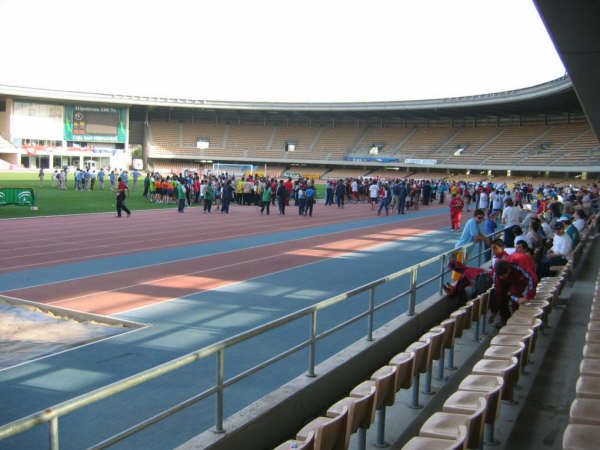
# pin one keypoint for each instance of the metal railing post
(413, 291)
(442, 273)
(313, 344)
(480, 252)
(220, 379)
(371, 313)
(53, 433)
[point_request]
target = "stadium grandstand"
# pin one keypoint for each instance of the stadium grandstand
(539, 131)
(429, 372)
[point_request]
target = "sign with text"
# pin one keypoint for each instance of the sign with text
(85, 123)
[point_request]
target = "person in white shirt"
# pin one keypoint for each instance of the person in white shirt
(373, 194)
(354, 188)
(561, 248)
(511, 216)
(580, 220)
(483, 200)
(496, 199)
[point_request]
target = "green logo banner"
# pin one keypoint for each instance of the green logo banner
(17, 196)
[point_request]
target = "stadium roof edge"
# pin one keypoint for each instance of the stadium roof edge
(551, 87)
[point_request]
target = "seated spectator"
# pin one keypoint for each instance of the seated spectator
(561, 248)
(570, 229)
(470, 276)
(580, 219)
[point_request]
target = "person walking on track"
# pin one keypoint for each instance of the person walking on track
(121, 198)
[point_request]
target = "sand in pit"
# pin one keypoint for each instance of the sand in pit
(27, 333)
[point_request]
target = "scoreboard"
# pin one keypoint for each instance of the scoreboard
(95, 123)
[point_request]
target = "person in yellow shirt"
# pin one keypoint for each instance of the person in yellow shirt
(239, 190)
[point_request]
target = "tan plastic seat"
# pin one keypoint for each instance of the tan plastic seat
(450, 326)
(468, 309)
(405, 364)
(507, 369)
(491, 386)
(581, 437)
(584, 411)
(593, 326)
(385, 381)
(363, 390)
(527, 334)
(436, 336)
(591, 351)
(544, 305)
(511, 340)
(590, 367)
(307, 444)
(506, 352)
(592, 337)
(476, 302)
(595, 315)
(459, 317)
(462, 402)
(330, 432)
(587, 387)
(421, 350)
(425, 443)
(520, 320)
(485, 302)
(530, 311)
(360, 411)
(443, 425)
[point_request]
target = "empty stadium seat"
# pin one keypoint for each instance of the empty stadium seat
(427, 443)
(589, 366)
(445, 425)
(405, 364)
(329, 432)
(506, 368)
(492, 387)
(587, 387)
(470, 403)
(436, 336)
(305, 444)
(506, 352)
(421, 350)
(360, 412)
(584, 411)
(581, 437)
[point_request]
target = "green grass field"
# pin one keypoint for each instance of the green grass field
(52, 201)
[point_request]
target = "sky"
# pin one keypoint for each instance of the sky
(282, 51)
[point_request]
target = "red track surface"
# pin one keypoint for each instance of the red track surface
(78, 238)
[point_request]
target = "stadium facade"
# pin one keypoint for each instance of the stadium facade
(535, 131)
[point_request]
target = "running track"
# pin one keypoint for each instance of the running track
(196, 278)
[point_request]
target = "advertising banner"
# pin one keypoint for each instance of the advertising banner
(17, 196)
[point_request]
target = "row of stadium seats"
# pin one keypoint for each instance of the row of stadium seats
(565, 144)
(366, 403)
(583, 431)
(468, 415)
(477, 401)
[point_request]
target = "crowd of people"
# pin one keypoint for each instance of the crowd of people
(87, 179)
(540, 228)
(223, 189)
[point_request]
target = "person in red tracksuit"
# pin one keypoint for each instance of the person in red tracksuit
(513, 281)
(456, 208)
(121, 198)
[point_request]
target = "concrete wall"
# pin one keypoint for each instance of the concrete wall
(5, 118)
(277, 416)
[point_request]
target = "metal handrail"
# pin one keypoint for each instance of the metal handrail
(52, 414)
